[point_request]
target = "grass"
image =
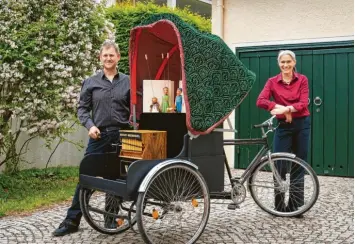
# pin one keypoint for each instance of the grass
(35, 188)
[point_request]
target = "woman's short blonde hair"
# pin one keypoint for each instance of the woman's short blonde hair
(286, 52)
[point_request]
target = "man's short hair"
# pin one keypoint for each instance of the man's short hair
(108, 44)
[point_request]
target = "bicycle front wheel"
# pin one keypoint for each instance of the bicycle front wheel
(293, 194)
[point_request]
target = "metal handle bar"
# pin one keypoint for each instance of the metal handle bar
(266, 123)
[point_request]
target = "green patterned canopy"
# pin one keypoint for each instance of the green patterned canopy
(214, 80)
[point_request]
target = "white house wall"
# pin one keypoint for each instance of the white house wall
(261, 20)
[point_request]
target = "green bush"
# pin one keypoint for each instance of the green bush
(47, 48)
(125, 16)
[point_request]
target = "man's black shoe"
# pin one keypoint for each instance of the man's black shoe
(110, 223)
(66, 227)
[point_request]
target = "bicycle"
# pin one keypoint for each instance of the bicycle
(274, 180)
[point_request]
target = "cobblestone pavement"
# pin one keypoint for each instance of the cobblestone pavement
(329, 221)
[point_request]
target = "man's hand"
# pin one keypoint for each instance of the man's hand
(94, 133)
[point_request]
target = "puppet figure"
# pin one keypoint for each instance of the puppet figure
(165, 101)
(178, 100)
(155, 107)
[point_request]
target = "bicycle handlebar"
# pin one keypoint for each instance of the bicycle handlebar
(260, 125)
(266, 123)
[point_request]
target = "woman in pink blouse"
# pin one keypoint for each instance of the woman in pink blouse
(290, 93)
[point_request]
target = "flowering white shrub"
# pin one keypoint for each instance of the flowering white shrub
(47, 47)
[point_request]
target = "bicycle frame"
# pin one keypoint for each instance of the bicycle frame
(255, 141)
(265, 150)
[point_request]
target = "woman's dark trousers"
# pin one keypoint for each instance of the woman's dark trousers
(293, 138)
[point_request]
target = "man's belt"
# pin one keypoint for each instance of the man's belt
(108, 128)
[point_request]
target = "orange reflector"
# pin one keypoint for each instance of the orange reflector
(120, 222)
(194, 202)
(155, 214)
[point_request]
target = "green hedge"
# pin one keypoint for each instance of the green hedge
(126, 16)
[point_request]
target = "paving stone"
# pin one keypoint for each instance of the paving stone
(329, 221)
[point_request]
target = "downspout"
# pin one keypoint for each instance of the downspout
(218, 29)
(218, 18)
(171, 4)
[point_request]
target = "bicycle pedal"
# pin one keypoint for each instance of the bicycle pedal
(233, 206)
(235, 179)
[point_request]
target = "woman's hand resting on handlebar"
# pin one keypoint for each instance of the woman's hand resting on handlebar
(279, 109)
(288, 116)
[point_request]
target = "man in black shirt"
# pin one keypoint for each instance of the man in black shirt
(103, 109)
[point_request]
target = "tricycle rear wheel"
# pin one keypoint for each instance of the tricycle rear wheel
(175, 206)
(105, 212)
